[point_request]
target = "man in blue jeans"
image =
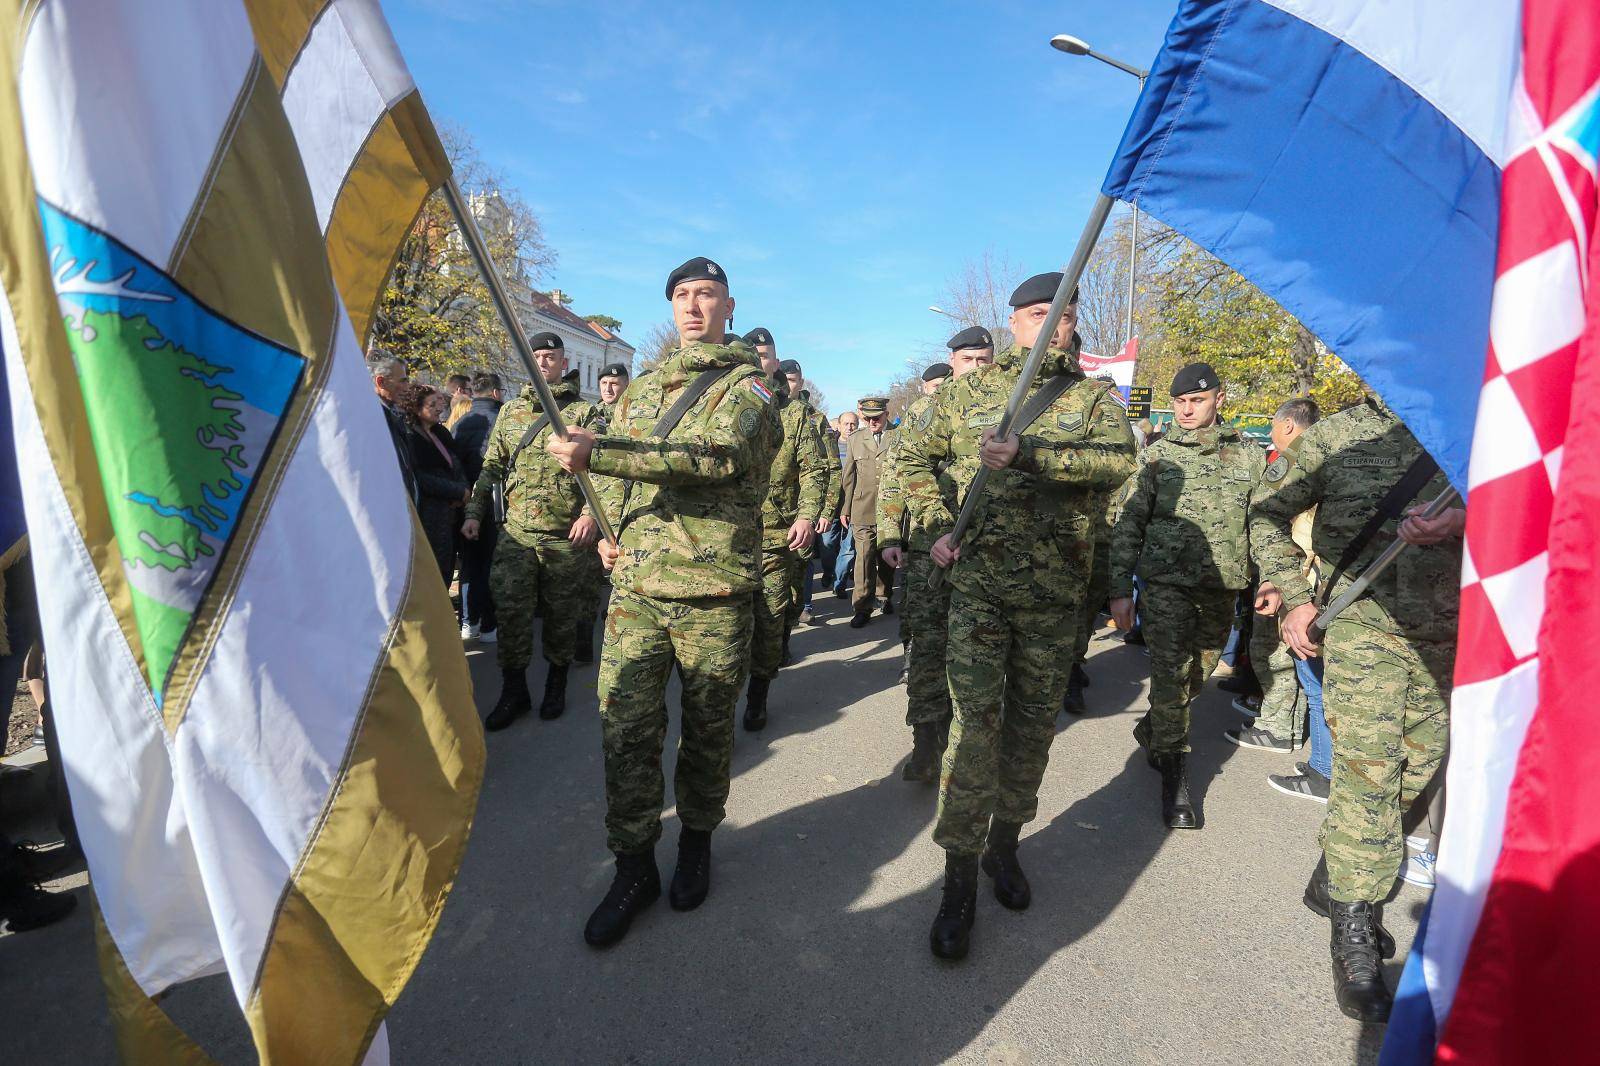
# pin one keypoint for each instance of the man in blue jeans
(839, 548)
(1312, 780)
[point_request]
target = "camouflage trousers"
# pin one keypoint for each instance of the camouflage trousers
(710, 641)
(1387, 700)
(544, 579)
(1185, 630)
(595, 583)
(1008, 672)
(925, 614)
(874, 577)
(1094, 600)
(1283, 710)
(772, 609)
(799, 564)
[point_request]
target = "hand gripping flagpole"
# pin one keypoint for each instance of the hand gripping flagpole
(1030, 370)
(1354, 590)
(519, 339)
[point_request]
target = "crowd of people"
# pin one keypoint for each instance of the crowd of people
(729, 494)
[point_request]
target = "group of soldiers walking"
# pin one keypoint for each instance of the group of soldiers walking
(718, 476)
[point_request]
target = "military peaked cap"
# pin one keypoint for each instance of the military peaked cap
(1039, 289)
(1196, 377)
(971, 337)
(697, 269)
(937, 372)
(874, 405)
(541, 341)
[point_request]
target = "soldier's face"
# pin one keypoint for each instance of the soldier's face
(1284, 431)
(1196, 410)
(1026, 322)
(700, 310)
(967, 360)
(794, 383)
(931, 387)
(610, 389)
(768, 354)
(552, 363)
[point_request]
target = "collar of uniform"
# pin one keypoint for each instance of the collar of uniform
(1013, 357)
(1206, 438)
(561, 390)
(689, 360)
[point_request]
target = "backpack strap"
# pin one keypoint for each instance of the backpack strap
(1394, 502)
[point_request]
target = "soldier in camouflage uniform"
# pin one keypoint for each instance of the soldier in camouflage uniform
(1016, 581)
(542, 555)
(1094, 600)
(796, 483)
(684, 575)
(799, 592)
(1182, 530)
(1389, 658)
(613, 379)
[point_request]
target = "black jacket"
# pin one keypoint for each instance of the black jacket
(400, 434)
(472, 433)
(438, 478)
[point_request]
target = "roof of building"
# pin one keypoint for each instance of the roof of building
(550, 309)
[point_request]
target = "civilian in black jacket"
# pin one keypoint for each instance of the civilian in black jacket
(472, 438)
(442, 485)
(389, 376)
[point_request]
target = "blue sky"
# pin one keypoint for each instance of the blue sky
(841, 161)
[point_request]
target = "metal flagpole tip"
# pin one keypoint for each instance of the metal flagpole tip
(1073, 46)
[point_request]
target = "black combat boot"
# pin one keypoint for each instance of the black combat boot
(1000, 862)
(1319, 902)
(785, 659)
(951, 934)
(691, 881)
(514, 702)
(554, 704)
(863, 615)
(1141, 736)
(584, 651)
(1357, 970)
(924, 763)
(1176, 810)
(1074, 703)
(1080, 675)
(636, 886)
(755, 704)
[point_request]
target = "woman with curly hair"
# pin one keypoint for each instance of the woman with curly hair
(442, 486)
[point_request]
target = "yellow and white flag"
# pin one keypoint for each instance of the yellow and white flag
(266, 717)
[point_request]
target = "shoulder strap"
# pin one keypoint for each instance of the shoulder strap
(680, 407)
(1393, 503)
(533, 431)
(1040, 401)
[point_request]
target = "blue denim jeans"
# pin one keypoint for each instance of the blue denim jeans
(845, 564)
(1309, 671)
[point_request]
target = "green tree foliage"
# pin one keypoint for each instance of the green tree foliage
(613, 324)
(435, 312)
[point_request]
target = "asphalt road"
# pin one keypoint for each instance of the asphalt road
(1142, 945)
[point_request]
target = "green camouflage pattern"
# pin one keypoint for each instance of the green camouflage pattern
(1347, 462)
(1387, 699)
(1094, 599)
(691, 527)
(1183, 520)
(541, 498)
(1029, 544)
(832, 495)
(798, 479)
(771, 613)
(895, 527)
(1185, 630)
(1008, 672)
(548, 578)
(709, 640)
(1283, 709)
(924, 617)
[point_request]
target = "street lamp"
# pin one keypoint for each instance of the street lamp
(1076, 46)
(942, 311)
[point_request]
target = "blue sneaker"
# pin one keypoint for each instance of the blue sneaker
(1418, 869)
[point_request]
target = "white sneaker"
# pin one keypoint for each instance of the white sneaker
(469, 631)
(490, 637)
(1417, 843)
(1418, 869)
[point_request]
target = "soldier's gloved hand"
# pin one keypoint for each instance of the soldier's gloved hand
(801, 535)
(573, 452)
(584, 532)
(1296, 630)
(1269, 600)
(893, 556)
(608, 554)
(1122, 612)
(469, 529)
(1424, 531)
(943, 554)
(997, 453)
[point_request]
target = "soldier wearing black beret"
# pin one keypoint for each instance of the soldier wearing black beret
(971, 337)
(933, 376)
(546, 342)
(1196, 377)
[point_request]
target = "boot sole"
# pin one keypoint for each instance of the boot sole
(955, 954)
(683, 906)
(987, 865)
(626, 927)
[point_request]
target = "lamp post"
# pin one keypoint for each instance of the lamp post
(1075, 46)
(942, 311)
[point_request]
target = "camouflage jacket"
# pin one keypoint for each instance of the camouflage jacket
(691, 524)
(799, 476)
(541, 498)
(895, 528)
(1030, 540)
(830, 451)
(604, 413)
(1184, 519)
(1344, 465)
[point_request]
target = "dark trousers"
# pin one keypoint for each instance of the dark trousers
(478, 601)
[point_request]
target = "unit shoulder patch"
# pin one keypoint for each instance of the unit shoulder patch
(1277, 469)
(749, 422)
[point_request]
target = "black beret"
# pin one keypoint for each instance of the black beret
(615, 370)
(1196, 377)
(759, 335)
(971, 337)
(790, 366)
(540, 341)
(574, 375)
(731, 337)
(1039, 289)
(697, 269)
(937, 372)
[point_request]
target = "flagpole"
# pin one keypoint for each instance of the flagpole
(1385, 558)
(519, 338)
(1030, 370)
